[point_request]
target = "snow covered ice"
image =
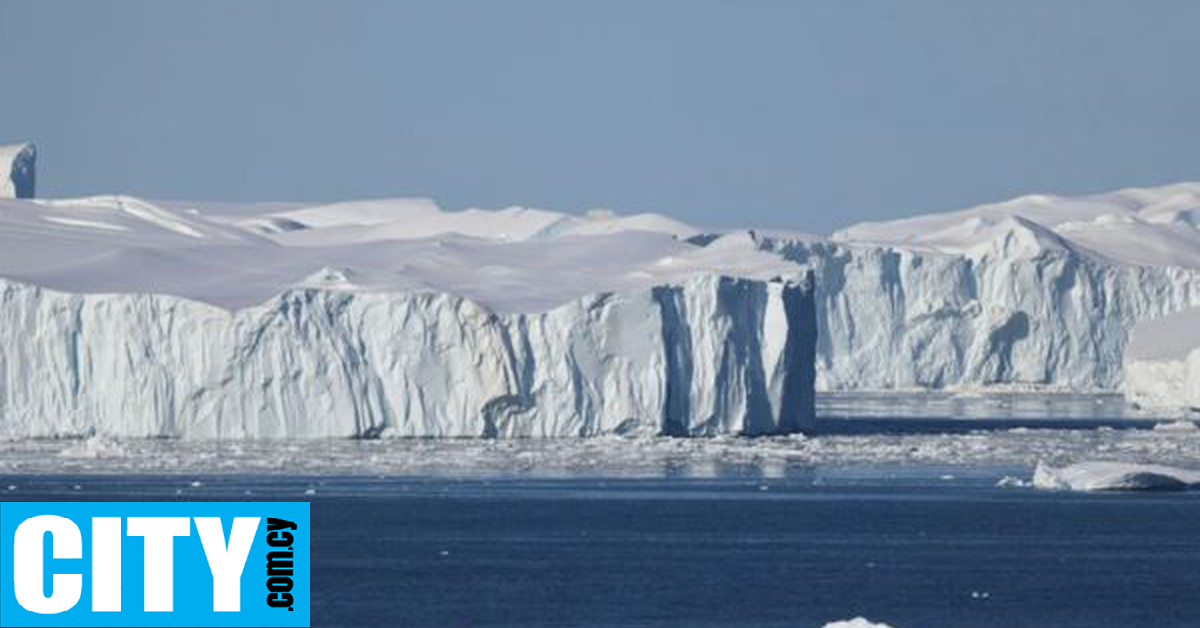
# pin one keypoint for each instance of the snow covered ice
(126, 318)
(17, 170)
(1162, 363)
(1039, 292)
(1114, 476)
(393, 317)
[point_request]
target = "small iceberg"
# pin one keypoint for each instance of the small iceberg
(93, 447)
(1114, 476)
(1177, 427)
(857, 622)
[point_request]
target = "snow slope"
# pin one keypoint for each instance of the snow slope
(123, 317)
(17, 170)
(1036, 292)
(1162, 363)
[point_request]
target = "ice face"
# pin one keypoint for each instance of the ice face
(1037, 292)
(707, 356)
(17, 170)
(1162, 363)
(897, 318)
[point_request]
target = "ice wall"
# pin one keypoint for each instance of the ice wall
(17, 170)
(1162, 363)
(709, 355)
(1017, 310)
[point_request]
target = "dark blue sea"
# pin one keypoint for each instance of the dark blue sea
(914, 550)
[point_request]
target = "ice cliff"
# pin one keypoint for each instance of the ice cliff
(17, 170)
(1038, 292)
(1162, 363)
(126, 318)
(394, 317)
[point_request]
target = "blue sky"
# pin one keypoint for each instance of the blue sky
(797, 115)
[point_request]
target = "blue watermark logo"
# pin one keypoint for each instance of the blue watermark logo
(154, 564)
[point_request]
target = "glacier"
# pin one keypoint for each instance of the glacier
(1162, 363)
(394, 317)
(1037, 293)
(124, 318)
(17, 170)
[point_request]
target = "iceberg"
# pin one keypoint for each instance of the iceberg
(1035, 293)
(17, 170)
(121, 317)
(394, 317)
(1114, 476)
(857, 622)
(1162, 363)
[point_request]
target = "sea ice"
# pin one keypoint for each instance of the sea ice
(1114, 476)
(857, 622)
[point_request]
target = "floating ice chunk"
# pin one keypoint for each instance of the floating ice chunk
(1177, 427)
(857, 622)
(93, 447)
(1009, 481)
(1114, 476)
(17, 170)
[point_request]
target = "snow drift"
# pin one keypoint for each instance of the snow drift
(1162, 363)
(17, 170)
(125, 318)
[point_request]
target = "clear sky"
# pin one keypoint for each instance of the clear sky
(797, 115)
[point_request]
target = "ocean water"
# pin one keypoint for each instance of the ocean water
(918, 546)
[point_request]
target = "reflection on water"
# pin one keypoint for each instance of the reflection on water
(877, 431)
(998, 406)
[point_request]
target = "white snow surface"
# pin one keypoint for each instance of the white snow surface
(1035, 293)
(1114, 476)
(124, 317)
(1138, 226)
(1162, 363)
(235, 256)
(17, 170)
